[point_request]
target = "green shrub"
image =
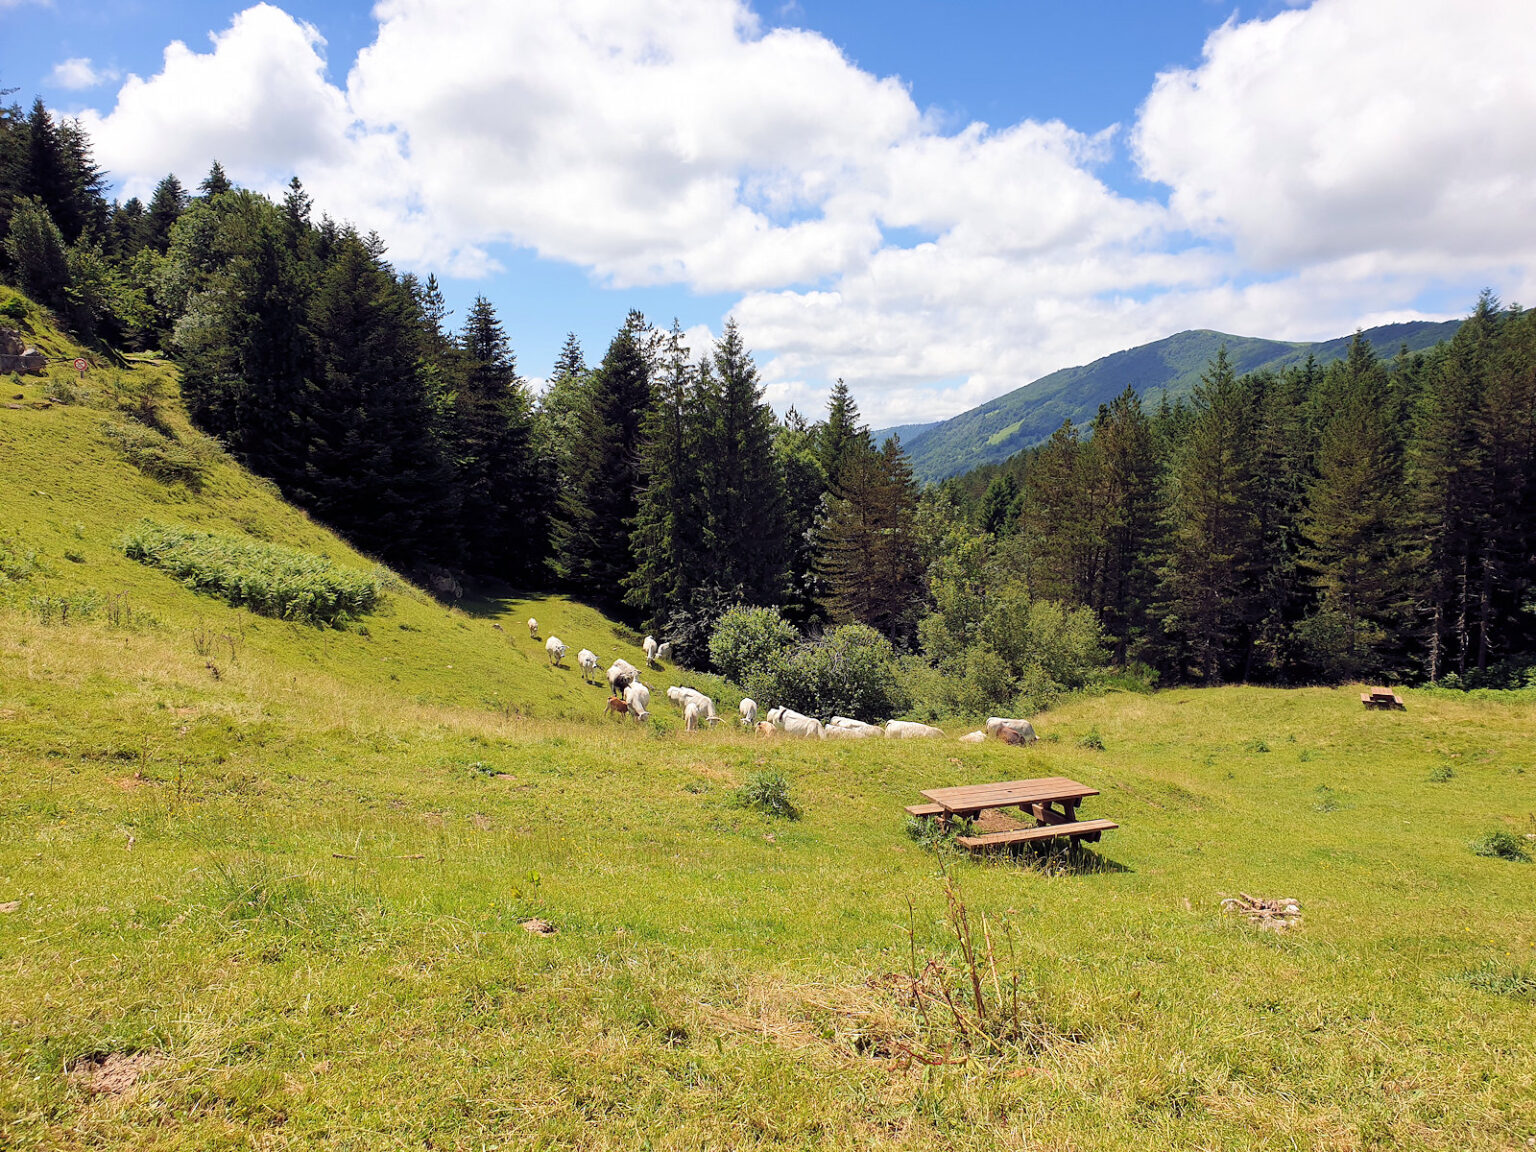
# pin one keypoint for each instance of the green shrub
(266, 578)
(157, 455)
(1255, 745)
(14, 308)
(1092, 741)
(851, 670)
(1440, 773)
(1501, 845)
(65, 609)
(749, 641)
(17, 562)
(767, 791)
(1516, 982)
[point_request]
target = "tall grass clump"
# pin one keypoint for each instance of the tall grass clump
(266, 578)
(1501, 845)
(768, 792)
(17, 561)
(158, 455)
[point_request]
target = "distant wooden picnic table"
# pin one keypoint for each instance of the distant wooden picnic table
(1051, 800)
(1382, 698)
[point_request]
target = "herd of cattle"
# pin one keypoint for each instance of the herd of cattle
(628, 696)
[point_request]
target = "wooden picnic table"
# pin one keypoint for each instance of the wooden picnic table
(1382, 698)
(1051, 800)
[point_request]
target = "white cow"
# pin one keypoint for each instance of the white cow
(1023, 727)
(909, 730)
(620, 674)
(748, 711)
(638, 697)
(555, 649)
(533, 628)
(588, 661)
(973, 738)
(792, 723)
(693, 715)
(650, 646)
(664, 652)
(854, 726)
(841, 733)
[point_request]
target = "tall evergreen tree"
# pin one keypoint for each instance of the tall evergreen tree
(167, 204)
(1209, 596)
(1130, 471)
(217, 182)
(745, 534)
(598, 500)
(374, 471)
(871, 557)
(842, 436)
(503, 519)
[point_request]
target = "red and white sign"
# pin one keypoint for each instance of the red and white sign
(81, 364)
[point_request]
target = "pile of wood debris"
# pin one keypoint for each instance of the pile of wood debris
(1276, 914)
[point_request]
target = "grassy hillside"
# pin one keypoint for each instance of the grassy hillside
(1027, 416)
(268, 885)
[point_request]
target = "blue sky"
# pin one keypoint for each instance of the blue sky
(937, 202)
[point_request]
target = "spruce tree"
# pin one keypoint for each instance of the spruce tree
(842, 437)
(1131, 473)
(1208, 594)
(598, 500)
(1000, 505)
(503, 517)
(374, 471)
(216, 183)
(165, 208)
(745, 533)
(667, 536)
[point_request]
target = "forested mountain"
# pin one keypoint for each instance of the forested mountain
(1280, 513)
(1171, 367)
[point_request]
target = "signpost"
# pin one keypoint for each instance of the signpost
(81, 364)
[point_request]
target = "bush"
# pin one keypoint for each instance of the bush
(850, 671)
(266, 578)
(749, 641)
(1501, 845)
(14, 308)
(768, 792)
(157, 455)
(17, 562)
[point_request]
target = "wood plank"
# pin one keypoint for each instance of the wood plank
(1026, 835)
(926, 809)
(1008, 793)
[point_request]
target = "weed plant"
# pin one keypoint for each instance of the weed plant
(158, 455)
(266, 578)
(767, 791)
(1501, 844)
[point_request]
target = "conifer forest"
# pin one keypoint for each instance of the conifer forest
(1374, 517)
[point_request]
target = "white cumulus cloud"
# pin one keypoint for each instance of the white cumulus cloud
(78, 73)
(1323, 168)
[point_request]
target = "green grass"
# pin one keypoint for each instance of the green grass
(291, 868)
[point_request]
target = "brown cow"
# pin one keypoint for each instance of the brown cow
(616, 706)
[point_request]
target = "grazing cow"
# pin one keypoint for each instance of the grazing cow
(851, 725)
(682, 695)
(748, 711)
(973, 737)
(638, 697)
(995, 724)
(765, 729)
(909, 730)
(664, 652)
(555, 649)
(621, 674)
(650, 647)
(533, 628)
(588, 661)
(792, 723)
(693, 716)
(1010, 736)
(616, 706)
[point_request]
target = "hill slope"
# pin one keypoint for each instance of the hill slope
(1027, 416)
(395, 885)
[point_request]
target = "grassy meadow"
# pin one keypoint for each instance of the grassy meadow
(286, 874)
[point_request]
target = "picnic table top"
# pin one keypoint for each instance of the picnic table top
(1007, 793)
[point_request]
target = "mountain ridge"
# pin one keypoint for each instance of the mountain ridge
(1026, 416)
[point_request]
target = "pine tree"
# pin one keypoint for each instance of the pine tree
(1131, 472)
(503, 519)
(216, 183)
(374, 471)
(842, 437)
(555, 418)
(1354, 523)
(1000, 506)
(165, 208)
(667, 536)
(1215, 537)
(745, 533)
(805, 488)
(598, 500)
(1060, 540)
(871, 558)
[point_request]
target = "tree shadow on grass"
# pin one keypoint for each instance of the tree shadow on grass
(1058, 860)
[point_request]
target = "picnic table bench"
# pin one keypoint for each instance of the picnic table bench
(1382, 698)
(1052, 801)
